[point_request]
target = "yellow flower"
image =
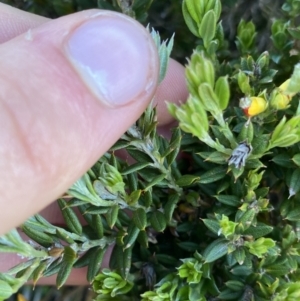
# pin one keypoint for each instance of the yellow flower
(253, 106)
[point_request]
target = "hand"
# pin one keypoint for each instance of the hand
(69, 88)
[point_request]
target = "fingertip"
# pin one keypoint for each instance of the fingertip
(172, 89)
(56, 120)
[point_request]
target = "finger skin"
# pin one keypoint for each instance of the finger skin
(14, 22)
(172, 89)
(52, 129)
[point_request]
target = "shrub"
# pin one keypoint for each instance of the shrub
(211, 213)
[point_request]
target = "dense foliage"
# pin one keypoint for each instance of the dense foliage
(211, 213)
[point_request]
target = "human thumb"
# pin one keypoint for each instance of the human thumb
(68, 90)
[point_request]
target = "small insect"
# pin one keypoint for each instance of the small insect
(240, 154)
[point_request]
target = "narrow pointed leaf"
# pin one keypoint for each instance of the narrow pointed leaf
(207, 28)
(222, 91)
(215, 250)
(140, 219)
(94, 265)
(70, 217)
(68, 260)
(158, 221)
(5, 290)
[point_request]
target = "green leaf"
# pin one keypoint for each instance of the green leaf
(254, 164)
(102, 192)
(133, 232)
(294, 183)
(12, 243)
(239, 255)
(139, 218)
(293, 215)
(187, 180)
(259, 230)
(235, 285)
(243, 82)
(134, 167)
(127, 256)
(5, 290)
(283, 160)
(195, 9)
(158, 221)
(13, 237)
(212, 47)
(208, 97)
(147, 198)
(170, 206)
(70, 217)
(97, 225)
(139, 156)
(40, 237)
(296, 159)
(260, 144)
(260, 247)
(155, 180)
(230, 200)
(215, 250)
(68, 260)
(94, 264)
(293, 86)
(213, 175)
(103, 4)
(241, 270)
(277, 270)
(167, 259)
(132, 181)
(143, 239)
(38, 272)
(262, 192)
(174, 147)
(189, 21)
(134, 197)
(207, 29)
(196, 291)
(68, 236)
(285, 141)
(85, 258)
(212, 225)
(188, 246)
(246, 218)
(19, 267)
(53, 268)
(222, 91)
(164, 53)
(80, 190)
(164, 50)
(214, 157)
(228, 294)
(112, 215)
(268, 76)
(278, 129)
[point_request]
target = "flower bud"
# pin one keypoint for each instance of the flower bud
(282, 96)
(253, 106)
(280, 101)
